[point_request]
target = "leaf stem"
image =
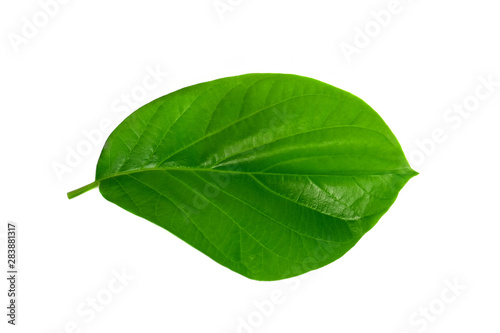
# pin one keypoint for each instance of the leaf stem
(83, 189)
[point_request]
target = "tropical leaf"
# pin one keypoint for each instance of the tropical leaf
(270, 175)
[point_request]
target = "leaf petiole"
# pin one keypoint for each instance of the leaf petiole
(83, 189)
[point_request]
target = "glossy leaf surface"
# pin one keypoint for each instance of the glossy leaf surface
(270, 175)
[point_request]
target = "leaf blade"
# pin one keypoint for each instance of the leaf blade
(271, 175)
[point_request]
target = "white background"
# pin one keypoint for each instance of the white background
(70, 74)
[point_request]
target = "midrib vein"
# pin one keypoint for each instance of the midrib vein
(400, 172)
(391, 172)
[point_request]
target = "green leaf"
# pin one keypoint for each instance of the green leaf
(270, 175)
